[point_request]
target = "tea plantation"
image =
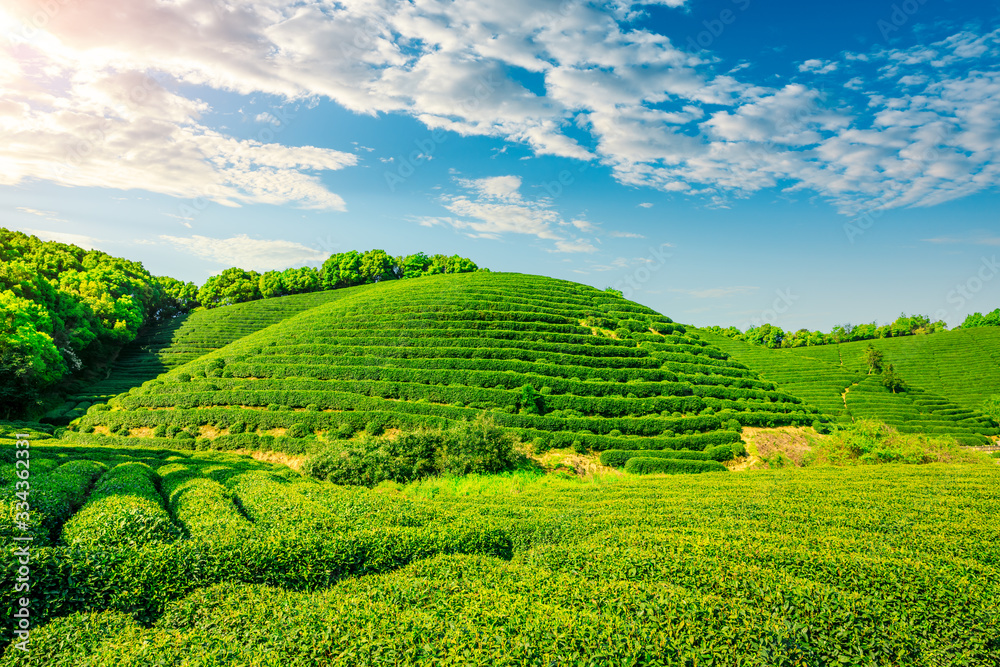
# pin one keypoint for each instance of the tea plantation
(184, 338)
(949, 376)
(210, 558)
(549, 361)
(153, 542)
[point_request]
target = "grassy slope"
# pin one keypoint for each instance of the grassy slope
(834, 379)
(188, 337)
(962, 366)
(443, 348)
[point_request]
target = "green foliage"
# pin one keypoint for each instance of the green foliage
(874, 358)
(53, 496)
(465, 448)
(617, 458)
(63, 309)
(449, 348)
(868, 441)
(947, 380)
(124, 509)
(991, 407)
(990, 319)
(656, 466)
(234, 285)
(773, 337)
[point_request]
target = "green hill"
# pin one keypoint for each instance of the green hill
(185, 338)
(948, 375)
(547, 359)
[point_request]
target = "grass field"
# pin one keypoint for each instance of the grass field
(878, 565)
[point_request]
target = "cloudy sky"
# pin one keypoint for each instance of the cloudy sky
(723, 161)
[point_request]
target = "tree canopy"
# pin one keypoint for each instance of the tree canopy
(63, 307)
(773, 336)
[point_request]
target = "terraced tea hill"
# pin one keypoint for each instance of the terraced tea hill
(184, 338)
(880, 565)
(547, 359)
(834, 379)
(962, 366)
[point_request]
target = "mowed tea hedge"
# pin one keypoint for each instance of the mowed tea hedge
(548, 360)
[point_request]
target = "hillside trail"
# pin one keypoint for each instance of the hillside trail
(843, 396)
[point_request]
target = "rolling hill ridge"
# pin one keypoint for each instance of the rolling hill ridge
(546, 359)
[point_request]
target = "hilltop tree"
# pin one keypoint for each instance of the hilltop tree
(271, 284)
(234, 285)
(376, 266)
(892, 381)
(991, 319)
(874, 359)
(301, 280)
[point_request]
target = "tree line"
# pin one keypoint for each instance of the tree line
(771, 336)
(65, 310)
(344, 269)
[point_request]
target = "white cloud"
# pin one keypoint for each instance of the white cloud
(82, 240)
(494, 206)
(626, 235)
(247, 253)
(818, 66)
(575, 245)
(645, 204)
(656, 115)
(35, 211)
(102, 126)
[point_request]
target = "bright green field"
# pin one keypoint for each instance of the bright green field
(881, 565)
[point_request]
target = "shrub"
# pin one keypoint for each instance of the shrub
(617, 458)
(477, 447)
(183, 377)
(820, 427)
(296, 431)
(651, 466)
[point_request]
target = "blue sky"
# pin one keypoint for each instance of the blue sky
(725, 162)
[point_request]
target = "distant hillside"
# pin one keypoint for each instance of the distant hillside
(547, 359)
(949, 376)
